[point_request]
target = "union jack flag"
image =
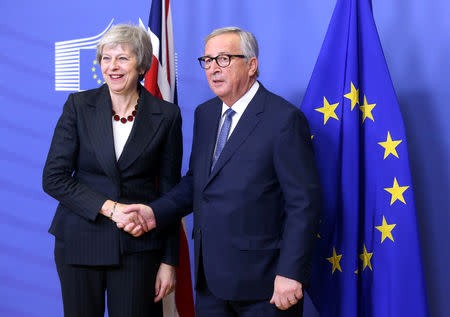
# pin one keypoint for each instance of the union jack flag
(160, 81)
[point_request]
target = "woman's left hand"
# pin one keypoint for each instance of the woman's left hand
(165, 281)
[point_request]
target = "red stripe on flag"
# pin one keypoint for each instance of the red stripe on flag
(167, 38)
(184, 297)
(151, 79)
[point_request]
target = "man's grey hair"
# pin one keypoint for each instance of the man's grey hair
(249, 45)
(136, 38)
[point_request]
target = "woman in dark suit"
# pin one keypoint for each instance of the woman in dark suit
(112, 146)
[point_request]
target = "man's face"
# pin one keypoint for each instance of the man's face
(232, 82)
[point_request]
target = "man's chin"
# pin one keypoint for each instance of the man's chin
(218, 89)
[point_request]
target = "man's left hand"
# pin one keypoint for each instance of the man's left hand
(286, 292)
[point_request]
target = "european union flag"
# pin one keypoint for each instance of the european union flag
(368, 258)
(90, 71)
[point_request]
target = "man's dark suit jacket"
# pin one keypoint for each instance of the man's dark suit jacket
(256, 212)
(82, 172)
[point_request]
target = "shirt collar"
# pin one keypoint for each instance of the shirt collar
(240, 105)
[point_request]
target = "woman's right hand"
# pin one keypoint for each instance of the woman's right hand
(133, 220)
(132, 223)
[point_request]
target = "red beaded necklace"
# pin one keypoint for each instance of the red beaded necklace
(124, 120)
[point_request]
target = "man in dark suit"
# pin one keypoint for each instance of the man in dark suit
(253, 187)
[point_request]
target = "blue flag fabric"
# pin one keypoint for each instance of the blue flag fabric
(90, 71)
(368, 258)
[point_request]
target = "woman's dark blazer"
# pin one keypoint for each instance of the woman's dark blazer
(82, 172)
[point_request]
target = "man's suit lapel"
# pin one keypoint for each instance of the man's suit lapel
(99, 127)
(245, 126)
(147, 121)
(210, 124)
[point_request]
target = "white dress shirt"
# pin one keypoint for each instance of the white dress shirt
(121, 132)
(239, 107)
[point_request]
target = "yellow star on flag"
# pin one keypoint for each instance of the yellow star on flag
(328, 110)
(389, 146)
(365, 257)
(335, 261)
(99, 81)
(367, 109)
(396, 192)
(353, 95)
(93, 69)
(385, 230)
(94, 62)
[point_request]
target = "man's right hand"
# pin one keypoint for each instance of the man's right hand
(145, 212)
(114, 211)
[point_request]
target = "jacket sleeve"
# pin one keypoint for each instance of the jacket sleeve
(169, 176)
(178, 202)
(298, 177)
(57, 180)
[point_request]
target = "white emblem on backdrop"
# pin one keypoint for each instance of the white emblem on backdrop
(68, 66)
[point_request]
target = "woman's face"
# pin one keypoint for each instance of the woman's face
(119, 69)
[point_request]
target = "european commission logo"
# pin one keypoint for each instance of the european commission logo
(76, 68)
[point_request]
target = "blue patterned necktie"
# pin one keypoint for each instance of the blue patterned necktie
(223, 135)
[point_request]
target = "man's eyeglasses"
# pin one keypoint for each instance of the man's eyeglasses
(223, 60)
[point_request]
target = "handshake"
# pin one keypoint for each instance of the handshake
(136, 219)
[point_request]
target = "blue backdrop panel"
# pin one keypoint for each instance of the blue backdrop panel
(414, 35)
